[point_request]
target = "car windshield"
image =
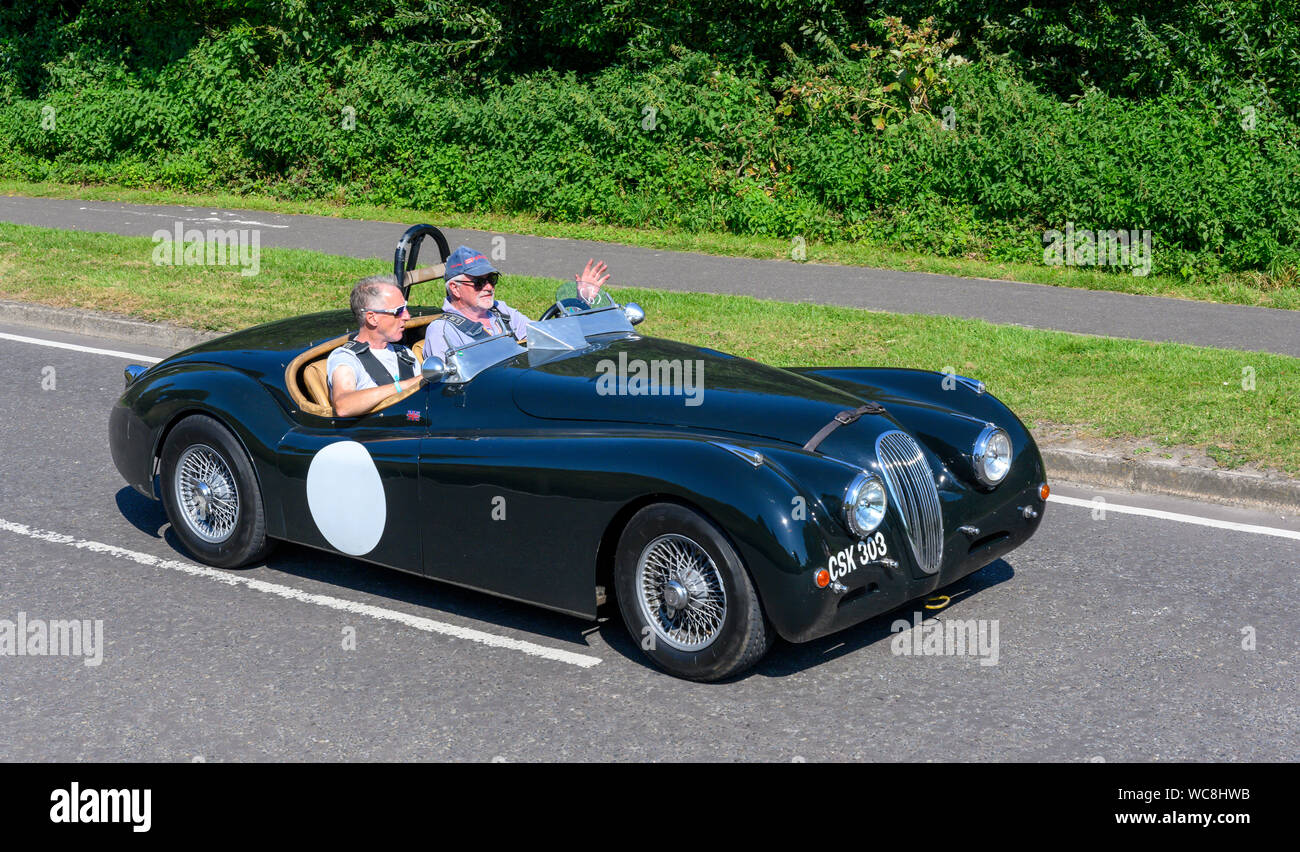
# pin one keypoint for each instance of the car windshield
(575, 298)
(572, 331)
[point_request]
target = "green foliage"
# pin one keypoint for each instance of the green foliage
(888, 84)
(969, 133)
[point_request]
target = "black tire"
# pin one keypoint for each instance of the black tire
(719, 628)
(225, 525)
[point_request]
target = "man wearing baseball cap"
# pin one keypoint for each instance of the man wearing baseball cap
(471, 311)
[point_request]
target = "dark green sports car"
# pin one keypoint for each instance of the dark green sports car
(720, 501)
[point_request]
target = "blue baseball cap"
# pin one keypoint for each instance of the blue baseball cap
(466, 261)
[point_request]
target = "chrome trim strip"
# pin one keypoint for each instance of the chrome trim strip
(752, 456)
(132, 372)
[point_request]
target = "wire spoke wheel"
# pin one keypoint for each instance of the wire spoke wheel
(207, 494)
(680, 592)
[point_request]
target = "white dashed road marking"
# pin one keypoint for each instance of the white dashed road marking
(220, 216)
(428, 625)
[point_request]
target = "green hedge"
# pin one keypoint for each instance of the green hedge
(693, 141)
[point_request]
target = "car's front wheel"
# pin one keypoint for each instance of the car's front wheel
(211, 495)
(686, 597)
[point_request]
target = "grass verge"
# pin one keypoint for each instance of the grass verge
(1236, 289)
(1238, 407)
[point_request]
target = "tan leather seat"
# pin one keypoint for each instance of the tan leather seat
(317, 383)
(308, 383)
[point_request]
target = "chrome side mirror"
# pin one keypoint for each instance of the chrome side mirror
(434, 369)
(634, 313)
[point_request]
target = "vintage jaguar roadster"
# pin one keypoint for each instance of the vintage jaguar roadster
(720, 501)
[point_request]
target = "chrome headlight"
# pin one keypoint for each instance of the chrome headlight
(992, 455)
(864, 504)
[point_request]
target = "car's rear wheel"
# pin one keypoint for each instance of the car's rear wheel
(211, 495)
(686, 597)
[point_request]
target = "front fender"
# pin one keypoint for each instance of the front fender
(943, 413)
(781, 521)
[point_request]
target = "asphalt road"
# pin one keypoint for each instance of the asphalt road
(1032, 305)
(1120, 638)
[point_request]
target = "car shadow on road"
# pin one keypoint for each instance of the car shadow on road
(434, 597)
(142, 513)
(786, 658)
(149, 517)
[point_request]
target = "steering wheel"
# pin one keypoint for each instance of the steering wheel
(564, 307)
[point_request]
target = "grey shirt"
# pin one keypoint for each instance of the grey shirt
(341, 357)
(441, 336)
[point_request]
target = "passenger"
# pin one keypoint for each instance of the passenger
(374, 363)
(471, 311)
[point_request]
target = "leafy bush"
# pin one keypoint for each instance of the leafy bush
(968, 134)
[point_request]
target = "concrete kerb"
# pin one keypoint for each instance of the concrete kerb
(1101, 470)
(97, 324)
(1151, 476)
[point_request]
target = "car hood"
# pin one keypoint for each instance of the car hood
(662, 382)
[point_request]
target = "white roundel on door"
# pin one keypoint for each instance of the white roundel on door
(346, 497)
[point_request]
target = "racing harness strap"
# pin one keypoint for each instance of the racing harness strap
(842, 419)
(475, 330)
(373, 366)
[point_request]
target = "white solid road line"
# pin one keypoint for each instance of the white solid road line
(428, 625)
(144, 359)
(1103, 504)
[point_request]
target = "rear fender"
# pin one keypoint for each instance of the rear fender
(152, 406)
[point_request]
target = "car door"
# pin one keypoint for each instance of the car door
(352, 483)
(495, 500)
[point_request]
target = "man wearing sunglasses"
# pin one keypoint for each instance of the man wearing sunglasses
(374, 363)
(471, 311)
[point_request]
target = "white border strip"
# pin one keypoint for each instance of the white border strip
(144, 359)
(1173, 516)
(428, 625)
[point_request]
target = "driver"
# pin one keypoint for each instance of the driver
(471, 311)
(374, 363)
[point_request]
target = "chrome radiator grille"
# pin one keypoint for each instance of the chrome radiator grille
(911, 488)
